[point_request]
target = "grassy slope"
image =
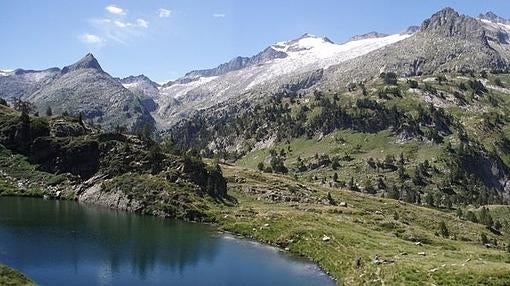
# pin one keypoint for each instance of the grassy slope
(9, 276)
(357, 232)
(367, 226)
(375, 145)
(19, 177)
(472, 114)
(362, 230)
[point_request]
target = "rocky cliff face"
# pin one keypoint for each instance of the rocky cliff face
(111, 169)
(235, 64)
(144, 88)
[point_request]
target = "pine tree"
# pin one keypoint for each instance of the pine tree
(443, 230)
(471, 217)
(486, 218)
(393, 193)
(334, 163)
(484, 239)
(429, 199)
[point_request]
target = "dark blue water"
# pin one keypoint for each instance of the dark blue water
(65, 243)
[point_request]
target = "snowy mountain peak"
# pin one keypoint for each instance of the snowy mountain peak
(492, 17)
(87, 62)
(308, 36)
(305, 42)
(449, 23)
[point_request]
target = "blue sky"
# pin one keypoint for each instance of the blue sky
(165, 39)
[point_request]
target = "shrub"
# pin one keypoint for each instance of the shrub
(412, 83)
(389, 78)
(477, 87)
(498, 82)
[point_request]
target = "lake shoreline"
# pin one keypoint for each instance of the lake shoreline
(215, 222)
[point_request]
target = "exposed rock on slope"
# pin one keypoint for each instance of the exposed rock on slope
(20, 82)
(143, 87)
(446, 42)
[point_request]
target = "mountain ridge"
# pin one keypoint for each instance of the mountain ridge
(80, 88)
(446, 41)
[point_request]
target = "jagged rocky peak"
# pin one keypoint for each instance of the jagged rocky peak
(22, 71)
(491, 16)
(87, 62)
(312, 36)
(138, 79)
(234, 64)
(411, 30)
(370, 35)
(450, 23)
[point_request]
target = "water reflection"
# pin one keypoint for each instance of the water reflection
(63, 243)
(84, 233)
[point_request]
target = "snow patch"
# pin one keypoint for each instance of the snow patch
(306, 54)
(496, 25)
(5, 72)
(180, 89)
(312, 53)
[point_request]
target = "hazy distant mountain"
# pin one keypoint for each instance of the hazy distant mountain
(18, 83)
(145, 88)
(370, 35)
(82, 87)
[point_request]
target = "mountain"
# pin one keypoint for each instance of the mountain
(394, 147)
(492, 17)
(143, 87)
(446, 42)
(295, 64)
(18, 83)
(439, 94)
(233, 65)
(82, 87)
(369, 35)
